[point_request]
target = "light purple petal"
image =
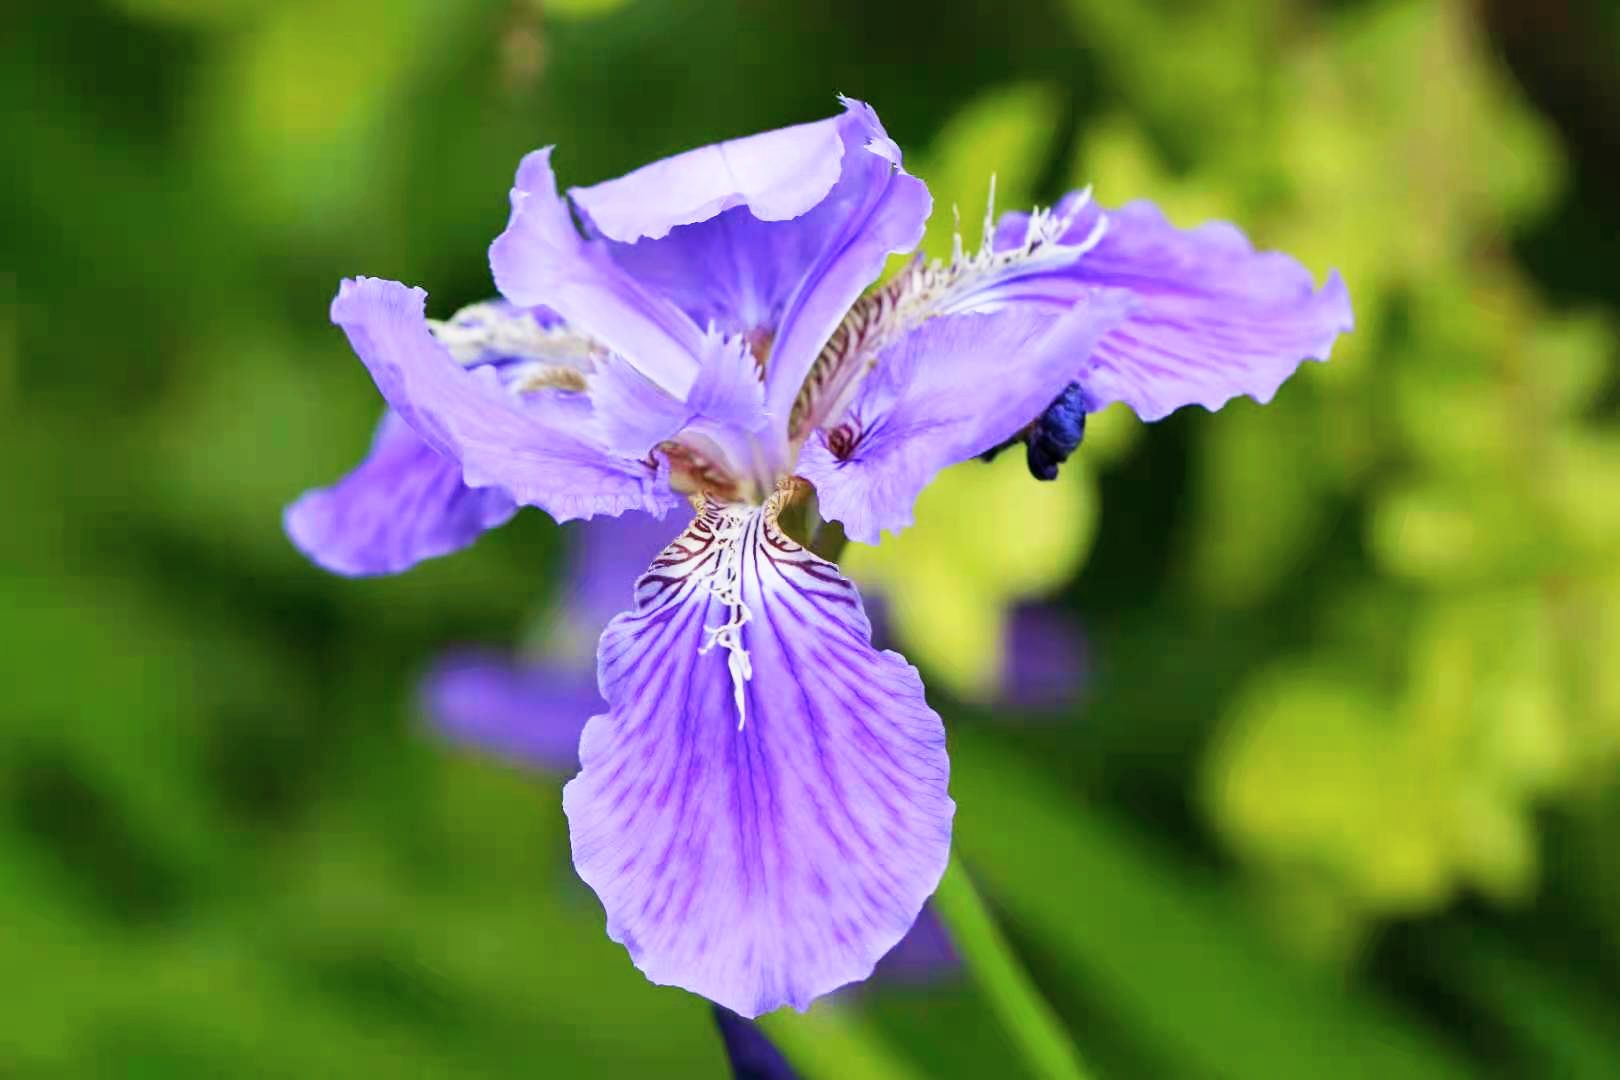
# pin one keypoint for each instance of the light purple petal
(535, 448)
(739, 261)
(530, 713)
(728, 391)
(875, 210)
(1213, 318)
(632, 413)
(541, 259)
(953, 388)
(734, 271)
(776, 175)
(724, 405)
(768, 864)
(778, 261)
(404, 503)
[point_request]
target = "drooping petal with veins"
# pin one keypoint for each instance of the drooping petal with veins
(944, 393)
(404, 503)
(1214, 319)
(536, 446)
(770, 864)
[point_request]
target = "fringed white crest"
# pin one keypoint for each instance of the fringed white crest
(490, 330)
(725, 583)
(924, 290)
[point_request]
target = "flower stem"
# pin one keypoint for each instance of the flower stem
(1028, 1019)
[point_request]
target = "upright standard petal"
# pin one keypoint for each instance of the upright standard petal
(535, 447)
(531, 713)
(951, 389)
(404, 503)
(875, 210)
(541, 259)
(1213, 318)
(746, 234)
(771, 248)
(776, 174)
(763, 808)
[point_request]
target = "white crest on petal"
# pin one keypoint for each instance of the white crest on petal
(492, 330)
(709, 555)
(725, 583)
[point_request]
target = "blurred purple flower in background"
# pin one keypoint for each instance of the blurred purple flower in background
(1045, 659)
(532, 708)
(752, 1055)
(762, 806)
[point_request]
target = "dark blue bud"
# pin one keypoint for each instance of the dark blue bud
(1056, 433)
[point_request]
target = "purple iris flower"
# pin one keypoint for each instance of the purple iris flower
(762, 806)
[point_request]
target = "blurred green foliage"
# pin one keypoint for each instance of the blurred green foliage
(1341, 797)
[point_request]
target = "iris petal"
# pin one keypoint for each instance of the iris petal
(776, 247)
(404, 503)
(1213, 318)
(875, 210)
(541, 259)
(770, 863)
(951, 389)
(537, 448)
(776, 175)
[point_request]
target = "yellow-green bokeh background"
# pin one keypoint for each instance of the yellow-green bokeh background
(1340, 800)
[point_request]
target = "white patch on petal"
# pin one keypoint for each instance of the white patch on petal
(725, 583)
(711, 550)
(493, 330)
